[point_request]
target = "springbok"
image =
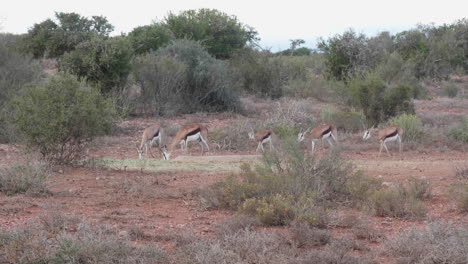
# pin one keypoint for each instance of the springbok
(325, 131)
(261, 138)
(386, 134)
(150, 135)
(193, 132)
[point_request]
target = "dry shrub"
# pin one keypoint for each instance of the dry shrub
(303, 235)
(462, 173)
(233, 138)
(339, 252)
(48, 242)
(364, 230)
(459, 193)
(235, 224)
(29, 178)
(438, 242)
(139, 187)
(244, 246)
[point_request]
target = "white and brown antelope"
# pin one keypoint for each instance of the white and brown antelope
(193, 132)
(261, 138)
(150, 136)
(325, 131)
(386, 134)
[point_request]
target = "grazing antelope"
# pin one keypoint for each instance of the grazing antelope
(325, 131)
(150, 135)
(262, 137)
(386, 134)
(193, 132)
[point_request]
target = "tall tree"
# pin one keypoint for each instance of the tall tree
(52, 38)
(218, 32)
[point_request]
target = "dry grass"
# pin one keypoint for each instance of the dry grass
(438, 242)
(56, 238)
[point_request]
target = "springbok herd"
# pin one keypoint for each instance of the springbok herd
(199, 133)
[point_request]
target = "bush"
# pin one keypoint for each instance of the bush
(378, 101)
(86, 244)
(400, 203)
(460, 133)
(287, 187)
(149, 38)
(438, 242)
(244, 246)
(411, 125)
(351, 121)
(459, 193)
(15, 71)
(451, 89)
(303, 235)
(183, 78)
(58, 117)
(104, 63)
(29, 178)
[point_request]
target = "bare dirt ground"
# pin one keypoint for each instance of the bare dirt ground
(161, 201)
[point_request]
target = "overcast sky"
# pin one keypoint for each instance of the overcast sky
(275, 21)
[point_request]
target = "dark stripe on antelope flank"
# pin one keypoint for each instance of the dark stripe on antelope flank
(193, 132)
(155, 134)
(266, 136)
(326, 131)
(394, 133)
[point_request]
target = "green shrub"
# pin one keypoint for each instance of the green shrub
(58, 117)
(411, 125)
(149, 38)
(399, 202)
(104, 63)
(378, 101)
(451, 89)
(220, 34)
(286, 187)
(53, 38)
(460, 133)
(388, 202)
(361, 187)
(273, 210)
(29, 178)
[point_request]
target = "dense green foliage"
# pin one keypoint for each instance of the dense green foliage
(59, 116)
(378, 101)
(411, 125)
(149, 38)
(104, 63)
(218, 32)
(53, 38)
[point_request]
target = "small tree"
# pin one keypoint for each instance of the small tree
(58, 117)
